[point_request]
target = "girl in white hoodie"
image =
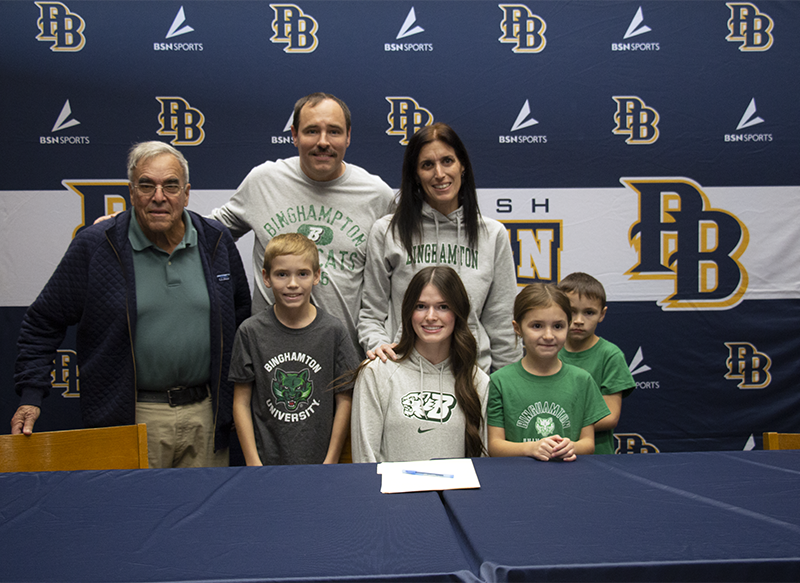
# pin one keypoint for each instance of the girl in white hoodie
(437, 222)
(431, 402)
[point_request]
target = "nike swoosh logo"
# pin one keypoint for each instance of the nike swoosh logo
(421, 430)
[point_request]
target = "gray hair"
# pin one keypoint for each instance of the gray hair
(146, 150)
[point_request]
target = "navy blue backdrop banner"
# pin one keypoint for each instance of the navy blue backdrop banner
(653, 144)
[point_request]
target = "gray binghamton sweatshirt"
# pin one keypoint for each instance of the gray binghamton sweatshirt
(408, 411)
(487, 271)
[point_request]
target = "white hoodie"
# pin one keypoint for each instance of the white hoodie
(488, 274)
(407, 411)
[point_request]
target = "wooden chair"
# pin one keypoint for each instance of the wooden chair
(102, 448)
(347, 455)
(774, 440)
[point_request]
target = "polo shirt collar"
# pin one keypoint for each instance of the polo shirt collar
(140, 242)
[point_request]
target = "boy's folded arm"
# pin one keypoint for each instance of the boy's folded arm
(609, 422)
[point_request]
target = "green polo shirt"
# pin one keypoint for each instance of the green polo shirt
(173, 331)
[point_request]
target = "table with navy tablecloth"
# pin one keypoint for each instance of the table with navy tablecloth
(721, 516)
(222, 524)
(732, 516)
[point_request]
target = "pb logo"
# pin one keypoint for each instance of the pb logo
(635, 120)
(536, 246)
(295, 28)
(181, 121)
(61, 27)
(633, 443)
(406, 117)
(749, 26)
(522, 28)
(65, 374)
(746, 364)
(98, 198)
(680, 237)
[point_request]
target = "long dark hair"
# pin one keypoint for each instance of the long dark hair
(463, 347)
(407, 219)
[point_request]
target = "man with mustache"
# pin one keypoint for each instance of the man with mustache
(317, 194)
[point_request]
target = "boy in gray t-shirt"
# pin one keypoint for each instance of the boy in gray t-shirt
(284, 361)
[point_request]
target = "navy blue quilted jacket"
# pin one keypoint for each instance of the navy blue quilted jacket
(93, 287)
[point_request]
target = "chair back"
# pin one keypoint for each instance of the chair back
(774, 440)
(346, 456)
(101, 448)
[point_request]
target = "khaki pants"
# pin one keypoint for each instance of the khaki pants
(180, 437)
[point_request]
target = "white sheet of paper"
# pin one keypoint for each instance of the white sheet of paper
(397, 479)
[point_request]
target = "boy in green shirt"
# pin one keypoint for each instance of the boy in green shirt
(600, 358)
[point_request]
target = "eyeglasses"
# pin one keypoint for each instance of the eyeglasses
(169, 189)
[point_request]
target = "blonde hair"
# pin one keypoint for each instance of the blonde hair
(291, 244)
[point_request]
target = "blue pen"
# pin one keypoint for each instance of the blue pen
(417, 473)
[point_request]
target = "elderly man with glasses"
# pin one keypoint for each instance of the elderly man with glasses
(157, 295)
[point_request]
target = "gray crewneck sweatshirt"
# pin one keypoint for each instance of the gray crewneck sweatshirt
(277, 197)
(408, 411)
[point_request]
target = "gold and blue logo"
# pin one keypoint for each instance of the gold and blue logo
(181, 121)
(65, 376)
(294, 28)
(62, 27)
(522, 28)
(406, 117)
(749, 26)
(680, 237)
(635, 120)
(748, 366)
(633, 443)
(98, 198)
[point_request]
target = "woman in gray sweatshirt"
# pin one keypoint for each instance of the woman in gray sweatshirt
(437, 222)
(431, 401)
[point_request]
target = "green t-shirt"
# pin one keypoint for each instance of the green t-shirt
(173, 322)
(531, 407)
(606, 363)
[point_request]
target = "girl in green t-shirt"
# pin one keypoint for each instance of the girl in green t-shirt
(541, 407)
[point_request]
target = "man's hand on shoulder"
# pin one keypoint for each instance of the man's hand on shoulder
(23, 419)
(105, 217)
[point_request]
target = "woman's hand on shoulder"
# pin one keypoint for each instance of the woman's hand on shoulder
(384, 352)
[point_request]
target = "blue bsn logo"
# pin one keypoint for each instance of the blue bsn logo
(680, 237)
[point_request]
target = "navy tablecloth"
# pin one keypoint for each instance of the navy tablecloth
(222, 524)
(732, 516)
(724, 516)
